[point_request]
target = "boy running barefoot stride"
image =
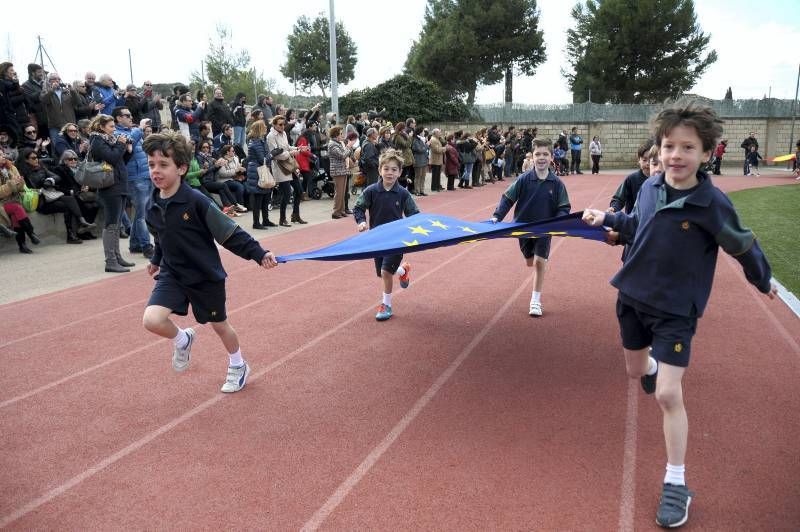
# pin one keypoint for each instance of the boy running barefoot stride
(186, 263)
(679, 222)
(386, 201)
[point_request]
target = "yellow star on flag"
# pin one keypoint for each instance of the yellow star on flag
(437, 223)
(519, 233)
(556, 233)
(468, 230)
(412, 243)
(420, 230)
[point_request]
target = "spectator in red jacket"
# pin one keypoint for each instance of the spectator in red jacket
(451, 163)
(718, 153)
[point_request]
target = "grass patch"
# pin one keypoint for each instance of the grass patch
(773, 213)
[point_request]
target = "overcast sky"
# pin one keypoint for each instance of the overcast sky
(757, 45)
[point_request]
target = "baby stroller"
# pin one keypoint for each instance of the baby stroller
(321, 182)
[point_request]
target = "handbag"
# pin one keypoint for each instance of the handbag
(30, 199)
(489, 154)
(87, 196)
(288, 166)
(51, 194)
(94, 174)
(265, 178)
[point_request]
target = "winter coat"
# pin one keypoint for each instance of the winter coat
(137, 164)
(32, 92)
(279, 140)
(114, 154)
(63, 143)
(108, 97)
(437, 151)
(256, 156)
(337, 153)
(303, 157)
(238, 111)
(466, 147)
(13, 106)
(420, 151)
(402, 143)
(218, 113)
(451, 160)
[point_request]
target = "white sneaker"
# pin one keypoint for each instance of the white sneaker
(239, 207)
(180, 357)
(536, 309)
(237, 378)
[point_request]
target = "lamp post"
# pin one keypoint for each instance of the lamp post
(334, 81)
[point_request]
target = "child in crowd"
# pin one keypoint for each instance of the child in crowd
(752, 161)
(560, 157)
(658, 308)
(185, 224)
(655, 162)
(527, 164)
(386, 201)
(538, 195)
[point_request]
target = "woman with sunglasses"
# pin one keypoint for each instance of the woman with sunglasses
(67, 139)
(86, 198)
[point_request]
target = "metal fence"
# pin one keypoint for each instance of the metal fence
(596, 112)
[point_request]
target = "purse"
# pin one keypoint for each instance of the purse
(489, 154)
(265, 178)
(51, 194)
(30, 199)
(94, 174)
(288, 166)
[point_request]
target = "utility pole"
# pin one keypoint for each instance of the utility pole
(794, 106)
(130, 64)
(334, 61)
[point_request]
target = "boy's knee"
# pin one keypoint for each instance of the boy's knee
(151, 320)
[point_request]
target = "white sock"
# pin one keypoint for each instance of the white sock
(387, 300)
(401, 271)
(181, 339)
(536, 297)
(675, 475)
(652, 366)
(236, 358)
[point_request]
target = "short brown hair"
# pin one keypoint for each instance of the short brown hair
(389, 156)
(691, 114)
(171, 144)
(334, 132)
(542, 143)
(644, 148)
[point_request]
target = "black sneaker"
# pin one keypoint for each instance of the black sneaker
(649, 383)
(673, 508)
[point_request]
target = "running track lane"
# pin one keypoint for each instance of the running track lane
(528, 431)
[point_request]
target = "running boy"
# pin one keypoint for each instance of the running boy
(185, 224)
(752, 161)
(386, 201)
(658, 307)
(538, 195)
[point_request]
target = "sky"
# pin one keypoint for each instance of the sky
(757, 47)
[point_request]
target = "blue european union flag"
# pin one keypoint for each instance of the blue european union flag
(427, 231)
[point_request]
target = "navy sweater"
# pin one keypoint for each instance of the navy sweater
(535, 199)
(672, 259)
(185, 233)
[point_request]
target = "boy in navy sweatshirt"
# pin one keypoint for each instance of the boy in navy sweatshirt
(538, 195)
(186, 224)
(679, 221)
(386, 201)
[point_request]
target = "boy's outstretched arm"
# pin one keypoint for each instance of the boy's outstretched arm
(233, 238)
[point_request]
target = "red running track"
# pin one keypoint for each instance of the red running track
(461, 412)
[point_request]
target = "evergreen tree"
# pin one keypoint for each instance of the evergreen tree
(635, 51)
(729, 94)
(309, 58)
(466, 43)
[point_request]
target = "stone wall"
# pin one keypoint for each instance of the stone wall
(620, 140)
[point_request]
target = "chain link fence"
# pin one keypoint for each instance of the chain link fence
(598, 112)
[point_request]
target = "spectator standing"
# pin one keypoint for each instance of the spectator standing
(420, 150)
(85, 107)
(286, 180)
(140, 187)
(719, 152)
(188, 116)
(436, 159)
(257, 155)
(104, 146)
(32, 90)
(370, 154)
(595, 151)
(575, 147)
(218, 112)
(451, 162)
(746, 144)
(13, 105)
(106, 92)
(151, 105)
(239, 113)
(58, 104)
(338, 152)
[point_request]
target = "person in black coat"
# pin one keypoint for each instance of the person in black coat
(86, 198)
(104, 146)
(13, 109)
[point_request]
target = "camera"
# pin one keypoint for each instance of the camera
(63, 86)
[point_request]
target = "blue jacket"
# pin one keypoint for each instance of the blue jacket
(384, 206)
(137, 164)
(108, 97)
(185, 233)
(535, 199)
(257, 154)
(671, 262)
(575, 142)
(191, 117)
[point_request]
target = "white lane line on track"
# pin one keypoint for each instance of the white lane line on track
(344, 489)
(141, 442)
(627, 499)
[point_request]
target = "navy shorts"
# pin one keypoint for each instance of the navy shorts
(669, 336)
(207, 298)
(535, 246)
(390, 263)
